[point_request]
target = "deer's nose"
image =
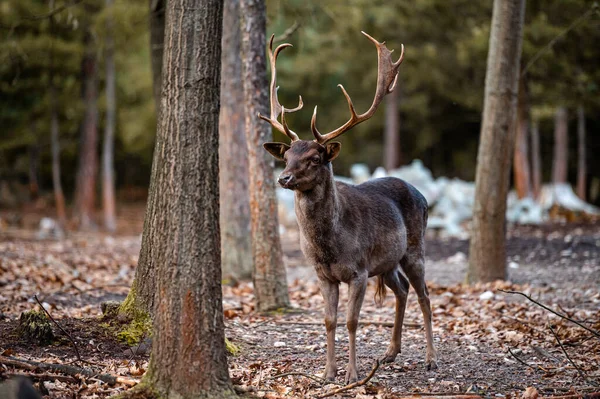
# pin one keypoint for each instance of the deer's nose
(285, 180)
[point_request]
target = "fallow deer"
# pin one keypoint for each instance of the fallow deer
(352, 232)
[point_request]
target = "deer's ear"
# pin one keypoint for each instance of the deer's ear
(276, 149)
(332, 150)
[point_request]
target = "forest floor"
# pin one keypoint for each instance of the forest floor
(489, 343)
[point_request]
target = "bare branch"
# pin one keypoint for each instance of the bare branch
(354, 384)
(309, 376)
(288, 32)
(581, 374)
(596, 333)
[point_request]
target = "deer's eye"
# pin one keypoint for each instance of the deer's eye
(315, 160)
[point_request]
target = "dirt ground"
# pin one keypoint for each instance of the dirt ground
(489, 342)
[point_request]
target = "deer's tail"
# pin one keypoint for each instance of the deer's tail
(380, 291)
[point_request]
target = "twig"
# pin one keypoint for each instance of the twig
(573, 25)
(434, 395)
(581, 374)
(596, 333)
(578, 396)
(354, 384)
(63, 368)
(44, 377)
(61, 329)
(288, 32)
(526, 364)
(360, 322)
(310, 376)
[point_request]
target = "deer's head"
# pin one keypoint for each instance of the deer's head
(308, 162)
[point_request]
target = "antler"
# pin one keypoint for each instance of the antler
(276, 107)
(387, 76)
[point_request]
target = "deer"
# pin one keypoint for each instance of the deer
(350, 233)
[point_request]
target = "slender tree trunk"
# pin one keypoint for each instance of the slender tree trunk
(108, 175)
(181, 234)
(522, 174)
(392, 157)
(34, 165)
(140, 299)
(59, 197)
(236, 253)
(581, 161)
(85, 188)
(536, 160)
(157, 40)
(269, 278)
(487, 259)
(561, 146)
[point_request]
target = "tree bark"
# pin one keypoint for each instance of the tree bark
(157, 40)
(536, 160)
(561, 146)
(108, 174)
(85, 187)
(391, 155)
(181, 235)
(270, 285)
(581, 160)
(59, 197)
(236, 253)
(487, 259)
(522, 174)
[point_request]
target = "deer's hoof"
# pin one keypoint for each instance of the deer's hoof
(351, 376)
(330, 373)
(431, 365)
(389, 356)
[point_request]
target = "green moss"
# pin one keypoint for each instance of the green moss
(232, 348)
(135, 330)
(36, 327)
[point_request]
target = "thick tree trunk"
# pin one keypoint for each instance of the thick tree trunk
(236, 253)
(561, 146)
(59, 197)
(269, 278)
(108, 175)
(536, 160)
(522, 174)
(157, 40)
(392, 157)
(85, 188)
(581, 161)
(181, 234)
(487, 259)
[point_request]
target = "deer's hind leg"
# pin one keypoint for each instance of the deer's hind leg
(399, 285)
(413, 265)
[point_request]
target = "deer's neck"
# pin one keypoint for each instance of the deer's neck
(318, 209)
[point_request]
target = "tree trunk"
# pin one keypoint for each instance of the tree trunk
(561, 146)
(581, 161)
(85, 187)
(487, 259)
(157, 40)
(59, 197)
(181, 235)
(140, 299)
(536, 160)
(108, 175)
(391, 155)
(270, 285)
(34, 165)
(522, 174)
(236, 253)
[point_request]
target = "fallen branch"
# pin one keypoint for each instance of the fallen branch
(354, 384)
(44, 377)
(581, 374)
(66, 369)
(309, 376)
(577, 396)
(434, 395)
(596, 333)
(360, 322)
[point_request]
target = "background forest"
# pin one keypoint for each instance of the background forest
(46, 58)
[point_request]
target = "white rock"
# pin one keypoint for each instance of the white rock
(279, 344)
(486, 295)
(513, 265)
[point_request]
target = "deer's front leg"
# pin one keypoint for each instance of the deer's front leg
(330, 292)
(356, 294)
